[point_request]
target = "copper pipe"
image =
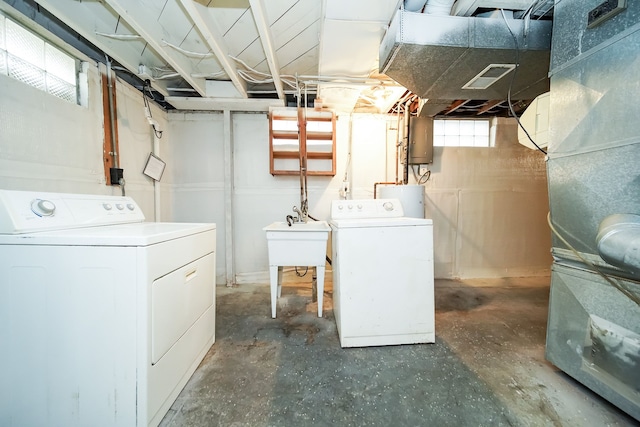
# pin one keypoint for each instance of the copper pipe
(375, 186)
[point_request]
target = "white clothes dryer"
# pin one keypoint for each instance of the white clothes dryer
(103, 317)
(382, 274)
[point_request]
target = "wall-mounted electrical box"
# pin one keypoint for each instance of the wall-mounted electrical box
(420, 140)
(115, 175)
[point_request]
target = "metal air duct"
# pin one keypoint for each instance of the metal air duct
(434, 56)
(618, 241)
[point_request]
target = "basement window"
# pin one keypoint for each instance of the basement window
(461, 133)
(25, 56)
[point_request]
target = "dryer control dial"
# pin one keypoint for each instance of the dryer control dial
(388, 206)
(42, 207)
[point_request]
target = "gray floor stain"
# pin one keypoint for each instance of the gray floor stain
(486, 368)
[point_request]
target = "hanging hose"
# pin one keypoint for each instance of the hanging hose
(306, 269)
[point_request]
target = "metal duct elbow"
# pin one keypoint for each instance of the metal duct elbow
(414, 5)
(436, 7)
(618, 241)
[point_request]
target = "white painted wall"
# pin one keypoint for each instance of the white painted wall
(488, 205)
(197, 172)
(48, 144)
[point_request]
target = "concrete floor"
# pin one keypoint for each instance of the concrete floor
(487, 367)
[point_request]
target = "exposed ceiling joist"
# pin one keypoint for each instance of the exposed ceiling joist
(235, 49)
(222, 104)
(489, 105)
(125, 53)
(455, 105)
(209, 31)
(145, 24)
(258, 10)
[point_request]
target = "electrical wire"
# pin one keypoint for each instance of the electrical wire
(120, 36)
(303, 274)
(146, 94)
(260, 77)
(420, 179)
(209, 75)
(188, 52)
(513, 77)
(424, 177)
(619, 286)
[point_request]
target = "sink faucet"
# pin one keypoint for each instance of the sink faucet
(290, 220)
(296, 210)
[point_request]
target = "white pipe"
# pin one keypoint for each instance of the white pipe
(346, 79)
(156, 184)
(438, 7)
(414, 5)
(228, 200)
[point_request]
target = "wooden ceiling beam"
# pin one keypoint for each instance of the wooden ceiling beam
(137, 16)
(489, 105)
(215, 41)
(455, 105)
(259, 16)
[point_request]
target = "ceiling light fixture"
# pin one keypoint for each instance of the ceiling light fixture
(491, 74)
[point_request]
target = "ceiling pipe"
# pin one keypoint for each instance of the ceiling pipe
(414, 5)
(345, 79)
(438, 7)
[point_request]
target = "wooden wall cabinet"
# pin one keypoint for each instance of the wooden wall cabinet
(285, 133)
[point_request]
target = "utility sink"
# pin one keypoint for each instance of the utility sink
(299, 244)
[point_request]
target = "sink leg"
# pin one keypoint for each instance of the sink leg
(320, 286)
(314, 285)
(274, 274)
(280, 269)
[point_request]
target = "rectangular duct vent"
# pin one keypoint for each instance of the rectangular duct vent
(491, 74)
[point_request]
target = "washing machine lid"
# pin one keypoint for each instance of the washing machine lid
(135, 234)
(379, 222)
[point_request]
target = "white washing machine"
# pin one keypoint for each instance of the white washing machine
(103, 317)
(382, 274)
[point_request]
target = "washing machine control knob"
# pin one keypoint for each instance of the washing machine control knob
(107, 206)
(388, 206)
(359, 206)
(340, 207)
(130, 206)
(119, 206)
(350, 206)
(42, 207)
